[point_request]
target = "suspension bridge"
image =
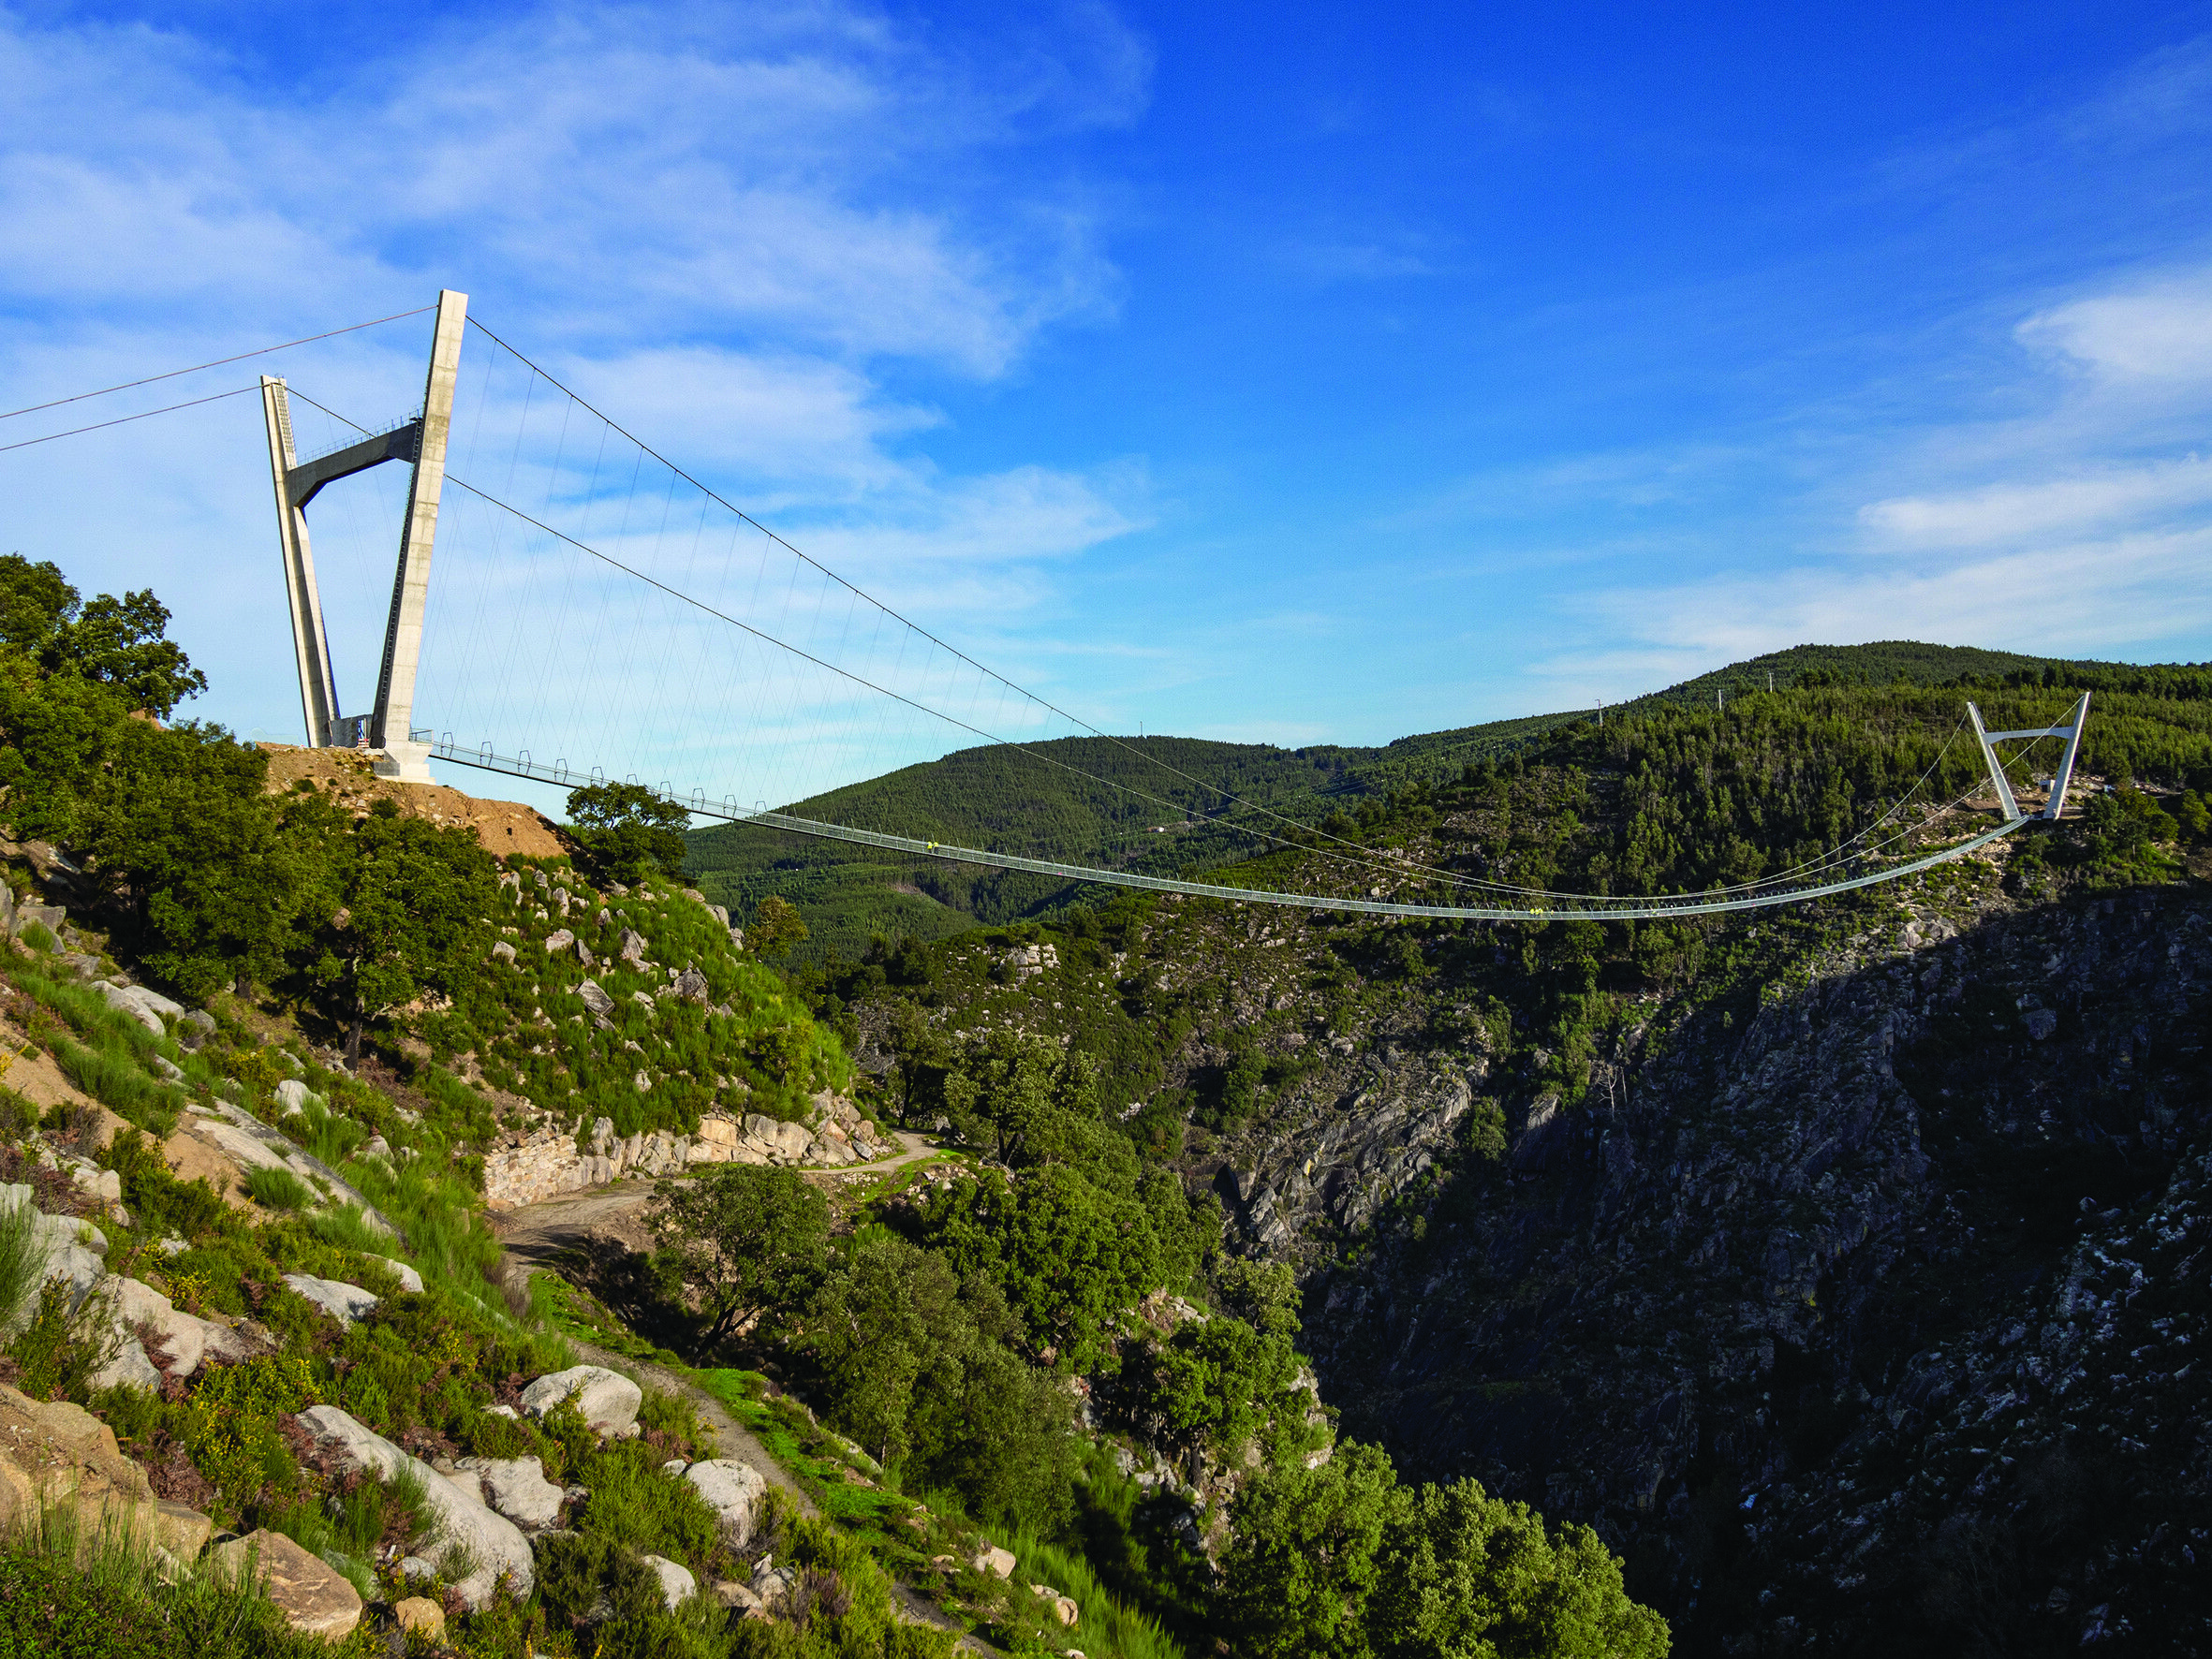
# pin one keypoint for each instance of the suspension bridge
(595, 599)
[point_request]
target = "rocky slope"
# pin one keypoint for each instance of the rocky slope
(1763, 1271)
(1846, 1281)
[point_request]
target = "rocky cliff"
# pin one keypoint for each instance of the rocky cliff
(1854, 1308)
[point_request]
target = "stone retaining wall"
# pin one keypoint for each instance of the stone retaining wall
(529, 1169)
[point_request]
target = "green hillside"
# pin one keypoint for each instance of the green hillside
(1163, 806)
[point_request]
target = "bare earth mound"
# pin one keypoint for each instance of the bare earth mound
(502, 826)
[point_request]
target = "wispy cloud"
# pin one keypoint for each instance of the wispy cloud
(2158, 333)
(2012, 513)
(1354, 261)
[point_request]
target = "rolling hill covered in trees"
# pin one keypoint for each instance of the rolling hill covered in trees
(1181, 805)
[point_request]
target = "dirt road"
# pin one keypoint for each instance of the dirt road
(538, 1232)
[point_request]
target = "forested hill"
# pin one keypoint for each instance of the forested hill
(1160, 804)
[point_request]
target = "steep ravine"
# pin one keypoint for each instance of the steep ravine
(1819, 1307)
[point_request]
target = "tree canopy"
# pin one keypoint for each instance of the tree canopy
(625, 830)
(402, 915)
(749, 1237)
(122, 643)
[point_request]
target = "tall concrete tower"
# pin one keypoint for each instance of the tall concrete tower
(386, 730)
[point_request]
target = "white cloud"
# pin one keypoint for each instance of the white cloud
(2017, 511)
(2161, 332)
(2075, 597)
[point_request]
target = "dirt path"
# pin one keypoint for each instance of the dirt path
(538, 1232)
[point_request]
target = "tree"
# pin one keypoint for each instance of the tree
(400, 914)
(1221, 1381)
(34, 601)
(1032, 1099)
(751, 1237)
(921, 1060)
(913, 1362)
(119, 642)
(178, 828)
(776, 927)
(626, 831)
(1265, 1293)
(1068, 1255)
(123, 644)
(1296, 1579)
(874, 1326)
(1461, 1573)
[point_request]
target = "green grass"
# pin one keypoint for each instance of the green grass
(277, 1189)
(23, 1265)
(65, 1596)
(38, 936)
(345, 1532)
(1108, 1630)
(112, 1076)
(344, 1227)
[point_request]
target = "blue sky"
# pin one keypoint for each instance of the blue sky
(1283, 374)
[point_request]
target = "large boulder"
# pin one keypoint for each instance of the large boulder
(342, 1301)
(677, 1585)
(61, 1457)
(493, 1546)
(130, 1000)
(607, 1400)
(313, 1596)
(178, 1341)
(733, 1491)
(71, 1250)
(182, 1530)
(517, 1488)
(292, 1095)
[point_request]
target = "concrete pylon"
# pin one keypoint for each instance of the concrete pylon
(318, 692)
(390, 728)
(421, 443)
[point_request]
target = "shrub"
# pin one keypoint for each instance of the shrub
(161, 1203)
(276, 1188)
(61, 1347)
(576, 1572)
(22, 1265)
(633, 1504)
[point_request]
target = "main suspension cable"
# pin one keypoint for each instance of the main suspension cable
(195, 368)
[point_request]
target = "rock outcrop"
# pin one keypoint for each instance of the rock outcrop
(607, 1400)
(1808, 1292)
(733, 1490)
(532, 1165)
(314, 1596)
(469, 1533)
(60, 1455)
